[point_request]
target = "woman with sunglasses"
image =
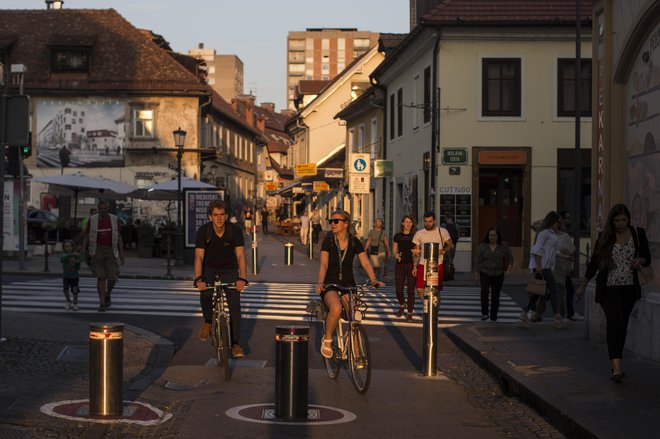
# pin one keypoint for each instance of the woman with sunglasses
(338, 250)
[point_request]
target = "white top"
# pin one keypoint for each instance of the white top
(546, 247)
(304, 222)
(423, 236)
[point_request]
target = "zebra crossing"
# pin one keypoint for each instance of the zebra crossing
(265, 300)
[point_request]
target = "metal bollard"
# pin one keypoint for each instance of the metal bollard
(106, 369)
(288, 254)
(430, 316)
(291, 372)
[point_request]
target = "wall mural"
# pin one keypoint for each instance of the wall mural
(80, 133)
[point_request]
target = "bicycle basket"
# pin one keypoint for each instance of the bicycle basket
(317, 309)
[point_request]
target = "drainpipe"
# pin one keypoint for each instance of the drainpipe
(375, 83)
(435, 121)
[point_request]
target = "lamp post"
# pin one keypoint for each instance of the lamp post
(179, 141)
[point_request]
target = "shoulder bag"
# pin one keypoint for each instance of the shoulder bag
(536, 286)
(373, 249)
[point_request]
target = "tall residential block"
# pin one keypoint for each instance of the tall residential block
(322, 53)
(224, 72)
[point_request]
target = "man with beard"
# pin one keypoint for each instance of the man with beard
(430, 233)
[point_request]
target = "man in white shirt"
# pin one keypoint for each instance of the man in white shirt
(304, 227)
(430, 233)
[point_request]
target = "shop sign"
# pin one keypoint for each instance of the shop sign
(320, 186)
(333, 173)
(305, 169)
(270, 185)
(383, 168)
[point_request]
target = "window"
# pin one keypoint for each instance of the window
(296, 44)
(418, 98)
(566, 87)
(427, 94)
(351, 140)
(361, 43)
(399, 116)
(392, 116)
(143, 123)
(566, 187)
(501, 86)
(70, 59)
(360, 138)
(297, 68)
(373, 133)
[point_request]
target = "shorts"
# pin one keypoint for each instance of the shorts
(71, 284)
(377, 261)
(106, 265)
(419, 282)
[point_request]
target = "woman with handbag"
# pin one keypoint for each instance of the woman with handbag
(494, 262)
(378, 247)
(542, 260)
(402, 248)
(621, 255)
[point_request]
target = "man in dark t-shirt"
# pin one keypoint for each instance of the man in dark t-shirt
(220, 250)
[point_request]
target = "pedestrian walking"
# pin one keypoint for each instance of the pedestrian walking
(378, 247)
(71, 261)
(402, 245)
(494, 263)
(103, 242)
(620, 252)
(564, 268)
(316, 226)
(336, 267)
(571, 314)
(429, 234)
(304, 227)
(264, 220)
(220, 250)
(453, 229)
(543, 256)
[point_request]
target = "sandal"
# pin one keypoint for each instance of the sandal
(326, 348)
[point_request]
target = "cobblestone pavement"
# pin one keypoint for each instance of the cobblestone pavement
(512, 416)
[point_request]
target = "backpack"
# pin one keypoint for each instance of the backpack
(453, 232)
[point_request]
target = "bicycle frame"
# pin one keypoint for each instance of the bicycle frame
(221, 326)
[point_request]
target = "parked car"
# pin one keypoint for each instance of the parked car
(35, 231)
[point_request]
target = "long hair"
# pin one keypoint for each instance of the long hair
(605, 243)
(486, 240)
(413, 229)
(550, 219)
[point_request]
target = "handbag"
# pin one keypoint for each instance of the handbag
(645, 274)
(449, 271)
(373, 249)
(536, 286)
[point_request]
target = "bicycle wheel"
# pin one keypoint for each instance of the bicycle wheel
(359, 358)
(332, 365)
(224, 345)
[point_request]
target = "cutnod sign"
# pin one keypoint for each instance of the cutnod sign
(359, 164)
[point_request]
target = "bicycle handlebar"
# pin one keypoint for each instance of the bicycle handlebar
(361, 287)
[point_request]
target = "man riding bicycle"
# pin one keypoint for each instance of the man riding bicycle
(220, 250)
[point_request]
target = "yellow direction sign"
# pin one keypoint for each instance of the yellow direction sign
(320, 186)
(305, 169)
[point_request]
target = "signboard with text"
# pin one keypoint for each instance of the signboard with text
(320, 186)
(458, 200)
(270, 185)
(383, 168)
(305, 169)
(195, 213)
(454, 156)
(358, 184)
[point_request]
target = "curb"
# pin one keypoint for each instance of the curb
(511, 385)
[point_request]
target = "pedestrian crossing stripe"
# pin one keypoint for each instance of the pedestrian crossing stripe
(263, 300)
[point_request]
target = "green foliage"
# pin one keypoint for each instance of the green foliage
(146, 233)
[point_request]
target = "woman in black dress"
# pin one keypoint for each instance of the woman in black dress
(336, 267)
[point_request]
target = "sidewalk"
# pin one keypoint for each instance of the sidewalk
(557, 371)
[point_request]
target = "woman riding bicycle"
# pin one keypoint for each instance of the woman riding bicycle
(337, 253)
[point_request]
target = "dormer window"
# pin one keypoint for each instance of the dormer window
(70, 59)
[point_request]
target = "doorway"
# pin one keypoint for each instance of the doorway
(501, 202)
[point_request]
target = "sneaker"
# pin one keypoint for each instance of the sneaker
(524, 317)
(535, 317)
(204, 331)
(237, 351)
(101, 308)
(484, 317)
(409, 317)
(576, 317)
(75, 307)
(560, 321)
(67, 305)
(401, 310)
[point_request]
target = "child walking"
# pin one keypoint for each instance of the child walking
(70, 273)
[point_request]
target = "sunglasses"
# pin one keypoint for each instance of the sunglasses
(335, 220)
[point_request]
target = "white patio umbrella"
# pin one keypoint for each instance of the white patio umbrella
(168, 190)
(91, 186)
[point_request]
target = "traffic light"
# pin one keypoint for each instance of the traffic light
(27, 149)
(12, 165)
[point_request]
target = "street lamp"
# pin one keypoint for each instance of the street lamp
(179, 141)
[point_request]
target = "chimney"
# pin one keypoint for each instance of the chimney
(54, 4)
(268, 106)
(261, 124)
(200, 46)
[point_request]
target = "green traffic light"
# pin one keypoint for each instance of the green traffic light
(26, 151)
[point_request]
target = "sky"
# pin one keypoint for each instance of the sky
(255, 30)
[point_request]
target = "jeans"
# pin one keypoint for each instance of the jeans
(490, 285)
(617, 302)
(233, 301)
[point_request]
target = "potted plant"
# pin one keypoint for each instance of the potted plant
(146, 234)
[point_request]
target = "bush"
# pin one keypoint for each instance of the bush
(146, 233)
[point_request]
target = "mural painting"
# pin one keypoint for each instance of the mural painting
(80, 133)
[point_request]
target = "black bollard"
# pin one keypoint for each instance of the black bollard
(288, 254)
(106, 369)
(430, 306)
(291, 372)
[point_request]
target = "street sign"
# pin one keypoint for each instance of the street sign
(454, 156)
(358, 184)
(320, 186)
(383, 168)
(270, 185)
(359, 164)
(333, 173)
(305, 169)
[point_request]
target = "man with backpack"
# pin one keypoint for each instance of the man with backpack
(220, 250)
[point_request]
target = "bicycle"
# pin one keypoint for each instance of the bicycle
(221, 325)
(349, 339)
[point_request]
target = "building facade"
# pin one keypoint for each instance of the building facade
(224, 73)
(320, 54)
